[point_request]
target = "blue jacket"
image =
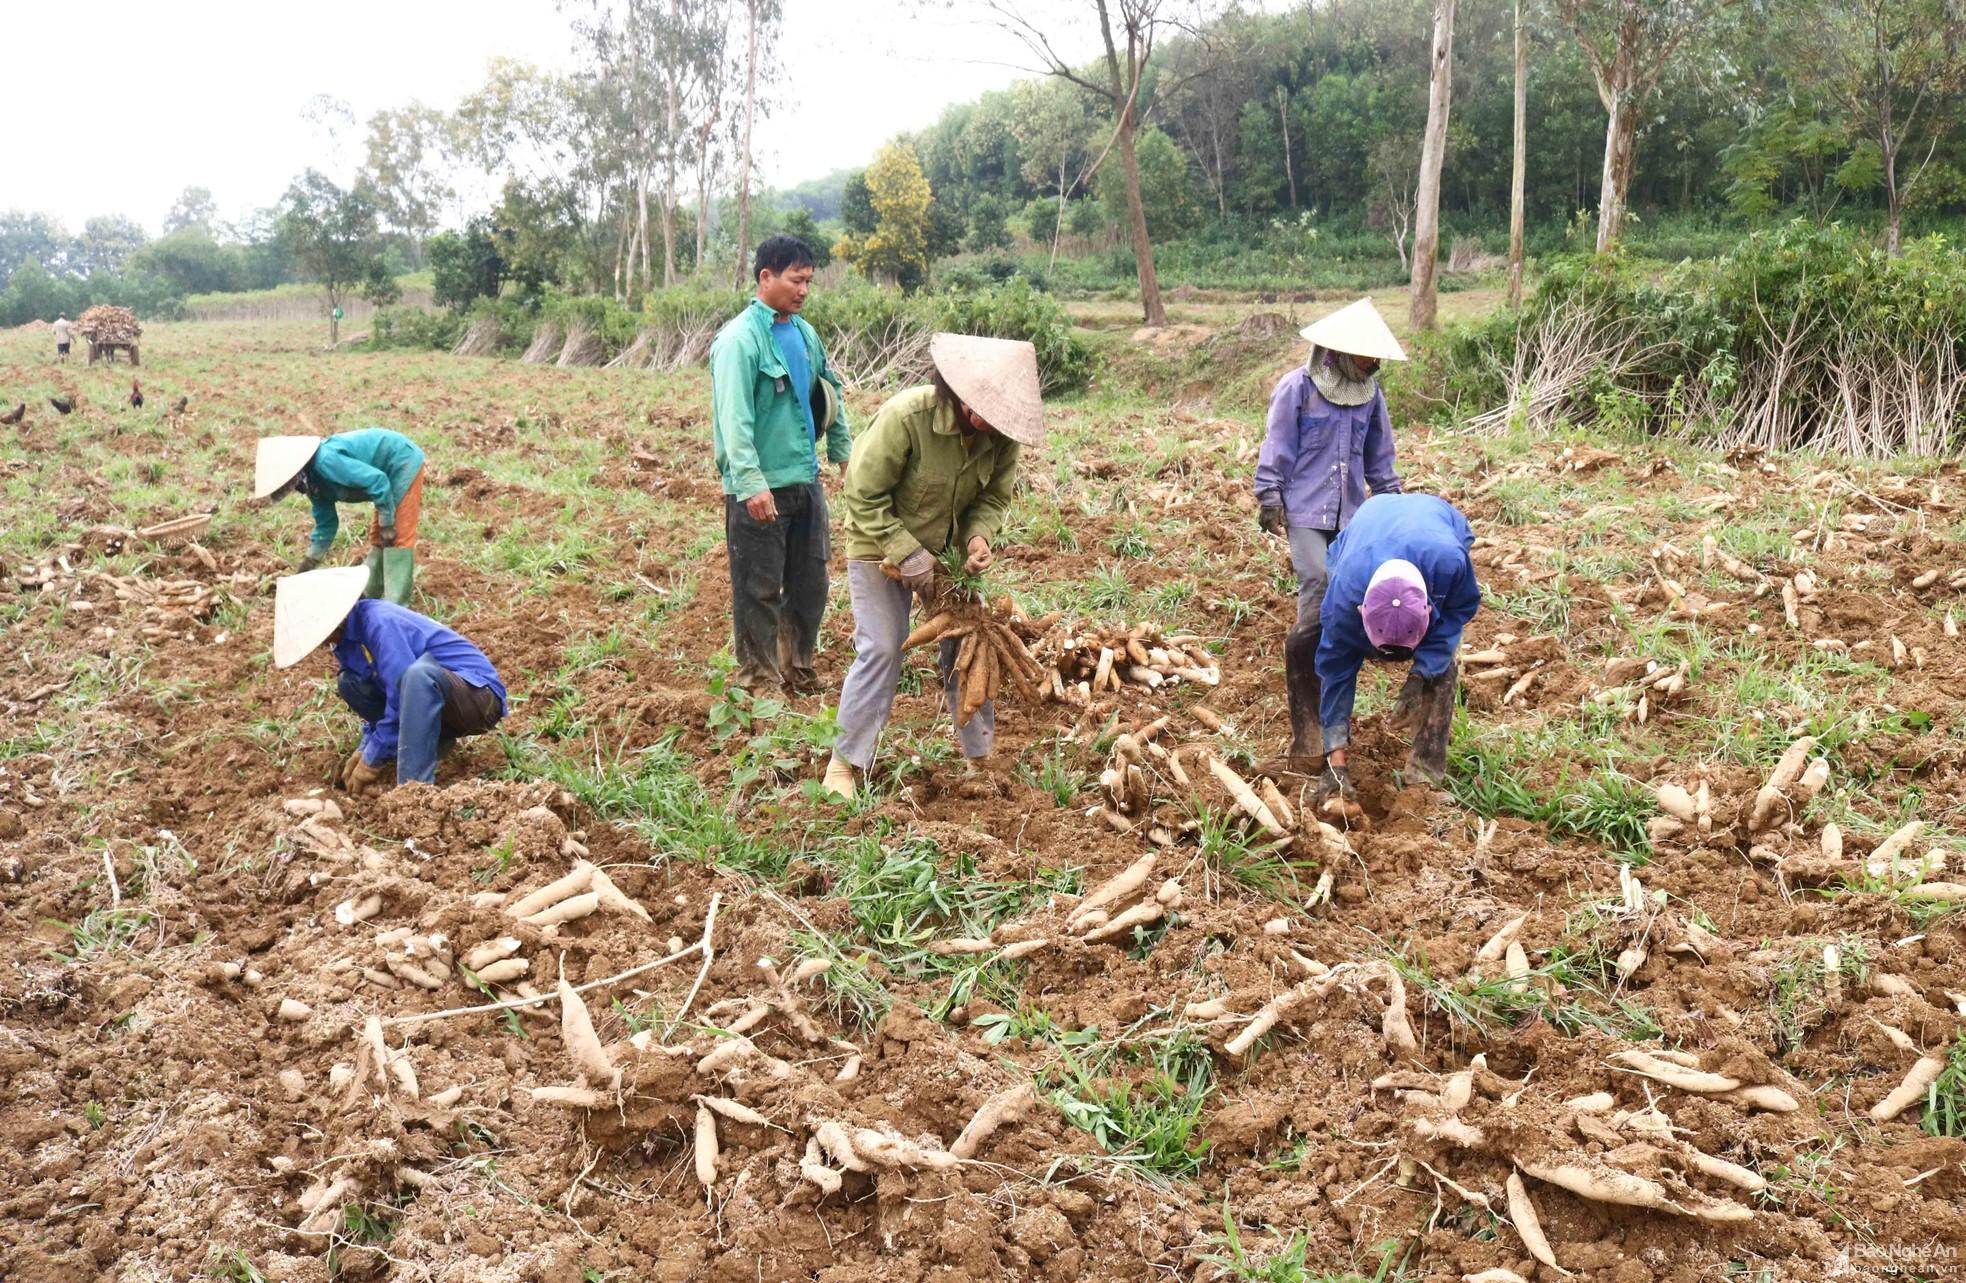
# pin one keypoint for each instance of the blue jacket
(1419, 528)
(379, 642)
(372, 465)
(1318, 457)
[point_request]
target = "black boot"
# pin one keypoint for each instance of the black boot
(1301, 680)
(1434, 724)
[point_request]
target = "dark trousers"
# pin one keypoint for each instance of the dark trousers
(778, 586)
(434, 708)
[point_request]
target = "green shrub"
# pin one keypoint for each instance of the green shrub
(412, 327)
(1803, 335)
(1017, 311)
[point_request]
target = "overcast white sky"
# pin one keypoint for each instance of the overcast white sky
(215, 89)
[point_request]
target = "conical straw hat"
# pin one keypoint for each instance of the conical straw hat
(1356, 329)
(308, 607)
(279, 461)
(997, 378)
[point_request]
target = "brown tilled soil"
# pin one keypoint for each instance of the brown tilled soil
(163, 1119)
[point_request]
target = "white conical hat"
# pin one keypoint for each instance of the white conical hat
(1356, 329)
(997, 378)
(308, 607)
(279, 461)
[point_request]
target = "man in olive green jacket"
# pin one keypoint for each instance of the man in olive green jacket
(936, 469)
(772, 395)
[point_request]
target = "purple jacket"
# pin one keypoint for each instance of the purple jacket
(1318, 458)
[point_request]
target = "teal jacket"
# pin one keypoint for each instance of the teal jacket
(756, 422)
(372, 465)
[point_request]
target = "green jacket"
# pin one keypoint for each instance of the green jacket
(372, 465)
(913, 484)
(756, 421)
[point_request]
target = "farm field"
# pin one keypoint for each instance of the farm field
(1536, 986)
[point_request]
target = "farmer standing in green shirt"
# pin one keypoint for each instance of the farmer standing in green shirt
(772, 396)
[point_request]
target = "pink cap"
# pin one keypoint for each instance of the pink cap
(1395, 608)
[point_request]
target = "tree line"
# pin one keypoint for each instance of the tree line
(1388, 113)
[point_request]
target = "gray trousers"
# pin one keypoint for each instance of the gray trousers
(1307, 549)
(880, 625)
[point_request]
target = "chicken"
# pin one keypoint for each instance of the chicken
(177, 406)
(62, 403)
(15, 415)
(136, 396)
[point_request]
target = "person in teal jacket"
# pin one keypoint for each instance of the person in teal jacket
(372, 465)
(773, 397)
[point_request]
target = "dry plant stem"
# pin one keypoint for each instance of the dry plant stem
(702, 946)
(709, 955)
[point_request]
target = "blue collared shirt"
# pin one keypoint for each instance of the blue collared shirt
(1318, 457)
(379, 642)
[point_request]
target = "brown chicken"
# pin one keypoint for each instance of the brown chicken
(136, 396)
(15, 415)
(177, 406)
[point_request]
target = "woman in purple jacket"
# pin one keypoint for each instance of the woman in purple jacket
(1328, 440)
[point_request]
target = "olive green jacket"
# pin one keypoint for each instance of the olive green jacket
(912, 483)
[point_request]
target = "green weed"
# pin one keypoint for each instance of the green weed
(1944, 1112)
(1055, 774)
(1154, 1122)
(1798, 990)
(232, 1265)
(103, 931)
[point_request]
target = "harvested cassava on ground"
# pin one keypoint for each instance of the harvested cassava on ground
(1099, 661)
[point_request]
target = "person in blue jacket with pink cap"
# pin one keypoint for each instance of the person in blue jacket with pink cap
(1402, 589)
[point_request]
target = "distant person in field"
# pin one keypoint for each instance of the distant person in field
(1328, 439)
(417, 686)
(935, 469)
(1402, 588)
(773, 398)
(64, 333)
(372, 465)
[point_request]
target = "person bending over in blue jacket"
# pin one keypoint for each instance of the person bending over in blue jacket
(1402, 588)
(416, 685)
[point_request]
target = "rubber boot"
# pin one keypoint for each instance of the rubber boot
(398, 570)
(374, 563)
(1301, 680)
(1435, 723)
(1406, 709)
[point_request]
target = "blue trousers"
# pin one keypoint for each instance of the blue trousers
(433, 708)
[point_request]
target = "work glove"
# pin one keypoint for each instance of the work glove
(1270, 518)
(980, 555)
(358, 777)
(917, 571)
(1335, 782)
(307, 563)
(385, 537)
